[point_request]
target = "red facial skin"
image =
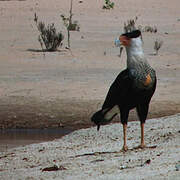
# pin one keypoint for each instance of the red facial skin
(125, 40)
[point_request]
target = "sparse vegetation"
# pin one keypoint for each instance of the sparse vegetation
(148, 29)
(48, 36)
(108, 5)
(69, 24)
(130, 25)
(157, 45)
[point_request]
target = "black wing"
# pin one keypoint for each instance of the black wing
(118, 89)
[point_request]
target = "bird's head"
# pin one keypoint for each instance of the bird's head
(132, 41)
(127, 39)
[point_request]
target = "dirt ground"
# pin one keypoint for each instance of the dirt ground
(88, 154)
(63, 88)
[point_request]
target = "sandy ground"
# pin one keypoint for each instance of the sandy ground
(88, 154)
(63, 88)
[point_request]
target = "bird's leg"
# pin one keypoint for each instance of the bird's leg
(142, 145)
(125, 148)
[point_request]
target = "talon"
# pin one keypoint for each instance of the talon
(125, 148)
(142, 146)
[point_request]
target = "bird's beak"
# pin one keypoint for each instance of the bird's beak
(117, 43)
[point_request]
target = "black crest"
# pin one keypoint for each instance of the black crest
(133, 34)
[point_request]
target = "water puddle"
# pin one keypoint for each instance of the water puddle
(10, 138)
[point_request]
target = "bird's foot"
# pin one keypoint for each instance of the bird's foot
(141, 146)
(124, 148)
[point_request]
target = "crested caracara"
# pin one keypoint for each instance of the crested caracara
(133, 87)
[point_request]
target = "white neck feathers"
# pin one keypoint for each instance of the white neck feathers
(135, 48)
(135, 54)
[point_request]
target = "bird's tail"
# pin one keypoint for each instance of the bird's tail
(104, 116)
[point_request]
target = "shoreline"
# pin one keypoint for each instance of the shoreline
(51, 120)
(29, 113)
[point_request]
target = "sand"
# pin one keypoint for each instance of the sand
(88, 154)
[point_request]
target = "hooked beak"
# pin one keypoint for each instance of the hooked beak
(117, 43)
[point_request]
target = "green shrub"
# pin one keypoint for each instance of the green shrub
(108, 5)
(48, 35)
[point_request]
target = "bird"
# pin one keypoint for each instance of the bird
(132, 88)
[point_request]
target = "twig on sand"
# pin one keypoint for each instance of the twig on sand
(110, 152)
(95, 154)
(54, 168)
(138, 165)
